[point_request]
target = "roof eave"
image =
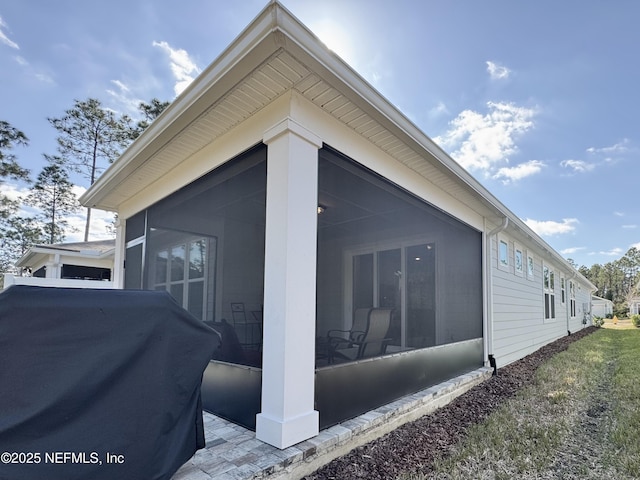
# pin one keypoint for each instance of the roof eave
(276, 28)
(258, 41)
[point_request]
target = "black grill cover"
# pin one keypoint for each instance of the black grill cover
(98, 384)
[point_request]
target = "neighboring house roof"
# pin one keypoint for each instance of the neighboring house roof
(595, 297)
(100, 249)
(274, 55)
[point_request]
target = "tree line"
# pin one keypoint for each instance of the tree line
(618, 281)
(89, 138)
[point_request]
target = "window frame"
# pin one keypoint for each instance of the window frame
(186, 280)
(518, 268)
(572, 299)
(549, 297)
(503, 253)
(531, 267)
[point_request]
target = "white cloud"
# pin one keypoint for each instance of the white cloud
(480, 141)
(620, 147)
(526, 169)
(14, 192)
(100, 222)
(121, 86)
(40, 76)
(123, 96)
(571, 250)
(438, 110)
(550, 227)
(614, 252)
(44, 78)
(578, 166)
(3, 36)
(618, 214)
(635, 245)
(629, 227)
(183, 68)
(99, 229)
(497, 72)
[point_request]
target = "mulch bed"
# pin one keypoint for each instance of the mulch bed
(414, 446)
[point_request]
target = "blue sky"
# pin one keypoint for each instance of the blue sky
(538, 100)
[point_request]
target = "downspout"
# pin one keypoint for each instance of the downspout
(488, 286)
(568, 304)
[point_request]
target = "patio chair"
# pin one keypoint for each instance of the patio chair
(358, 327)
(372, 343)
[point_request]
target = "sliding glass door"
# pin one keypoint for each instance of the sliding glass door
(402, 279)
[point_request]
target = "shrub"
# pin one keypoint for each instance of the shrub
(598, 321)
(635, 319)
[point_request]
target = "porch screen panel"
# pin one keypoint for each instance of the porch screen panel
(135, 226)
(135, 230)
(362, 281)
(420, 297)
(133, 267)
(385, 248)
(205, 246)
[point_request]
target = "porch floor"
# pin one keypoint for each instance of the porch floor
(233, 452)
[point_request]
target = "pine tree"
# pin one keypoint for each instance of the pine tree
(90, 138)
(18, 235)
(10, 137)
(52, 194)
(151, 111)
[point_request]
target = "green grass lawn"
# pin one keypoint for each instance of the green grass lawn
(580, 419)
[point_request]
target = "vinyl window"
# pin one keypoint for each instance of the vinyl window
(548, 283)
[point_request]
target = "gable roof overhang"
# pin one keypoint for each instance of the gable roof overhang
(275, 54)
(96, 250)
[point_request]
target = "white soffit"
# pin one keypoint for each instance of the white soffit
(274, 54)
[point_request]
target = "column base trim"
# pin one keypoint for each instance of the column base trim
(284, 433)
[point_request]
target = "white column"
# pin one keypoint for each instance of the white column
(54, 269)
(117, 274)
(288, 366)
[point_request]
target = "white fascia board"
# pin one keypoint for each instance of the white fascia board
(31, 256)
(28, 258)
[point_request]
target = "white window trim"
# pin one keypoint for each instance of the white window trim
(531, 275)
(518, 249)
(503, 263)
(186, 281)
(548, 292)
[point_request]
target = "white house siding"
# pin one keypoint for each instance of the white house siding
(601, 307)
(519, 326)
